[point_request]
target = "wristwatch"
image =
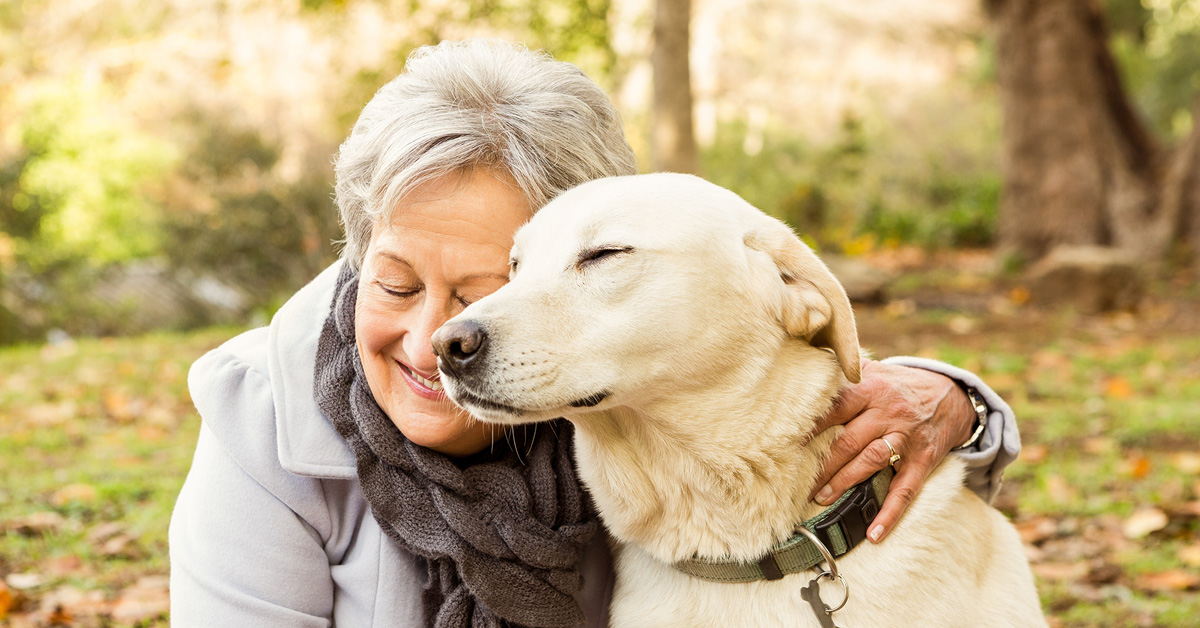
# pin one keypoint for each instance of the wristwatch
(981, 416)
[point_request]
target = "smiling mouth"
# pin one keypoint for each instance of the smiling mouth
(431, 384)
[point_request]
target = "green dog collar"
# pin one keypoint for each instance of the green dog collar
(841, 527)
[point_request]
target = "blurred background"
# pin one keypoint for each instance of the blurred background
(1009, 185)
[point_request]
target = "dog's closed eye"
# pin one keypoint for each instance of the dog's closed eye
(594, 255)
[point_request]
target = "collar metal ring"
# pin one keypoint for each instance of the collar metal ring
(845, 592)
(825, 553)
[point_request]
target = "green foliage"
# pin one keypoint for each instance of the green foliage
(80, 182)
(75, 198)
(1157, 44)
(572, 30)
(958, 211)
(577, 31)
(837, 193)
(233, 215)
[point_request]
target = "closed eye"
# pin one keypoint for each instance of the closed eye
(592, 256)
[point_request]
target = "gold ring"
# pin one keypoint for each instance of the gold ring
(895, 456)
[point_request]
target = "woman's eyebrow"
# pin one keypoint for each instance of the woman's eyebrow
(392, 256)
(485, 275)
(461, 279)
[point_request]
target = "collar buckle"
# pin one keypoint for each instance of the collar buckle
(850, 518)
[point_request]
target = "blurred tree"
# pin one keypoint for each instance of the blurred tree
(75, 189)
(673, 136)
(1157, 45)
(232, 215)
(1081, 166)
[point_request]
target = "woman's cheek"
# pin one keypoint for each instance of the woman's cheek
(375, 326)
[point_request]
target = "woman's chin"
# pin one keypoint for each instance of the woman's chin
(442, 427)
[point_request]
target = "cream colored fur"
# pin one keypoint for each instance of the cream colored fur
(717, 339)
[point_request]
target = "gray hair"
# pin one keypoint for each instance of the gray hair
(460, 105)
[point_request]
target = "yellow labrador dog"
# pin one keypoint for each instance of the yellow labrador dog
(694, 341)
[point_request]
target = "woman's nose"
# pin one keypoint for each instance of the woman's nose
(418, 346)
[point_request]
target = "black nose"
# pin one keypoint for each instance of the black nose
(458, 344)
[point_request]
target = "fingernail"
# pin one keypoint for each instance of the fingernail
(824, 495)
(876, 533)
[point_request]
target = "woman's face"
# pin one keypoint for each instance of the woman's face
(446, 247)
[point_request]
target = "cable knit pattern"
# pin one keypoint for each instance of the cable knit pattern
(502, 533)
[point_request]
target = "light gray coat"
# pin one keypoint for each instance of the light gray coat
(271, 528)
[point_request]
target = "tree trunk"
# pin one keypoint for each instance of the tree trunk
(673, 140)
(1181, 193)
(1080, 167)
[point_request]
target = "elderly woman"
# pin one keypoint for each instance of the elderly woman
(334, 483)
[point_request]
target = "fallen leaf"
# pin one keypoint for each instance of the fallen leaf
(1181, 510)
(1154, 371)
(119, 545)
(146, 599)
(962, 325)
(1143, 522)
(1117, 387)
(1034, 454)
(1059, 489)
(1006, 382)
(1169, 580)
(148, 433)
(59, 616)
(51, 414)
(37, 523)
(82, 493)
(121, 407)
(7, 600)
(1060, 571)
(1099, 444)
(104, 531)
(900, 308)
(1190, 555)
(1035, 530)
(1170, 494)
(1187, 462)
(1019, 295)
(68, 603)
(62, 566)
(161, 415)
(1139, 467)
(23, 581)
(1104, 573)
(1050, 359)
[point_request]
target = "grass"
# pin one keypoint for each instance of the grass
(97, 432)
(1107, 406)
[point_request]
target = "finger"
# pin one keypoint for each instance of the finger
(862, 465)
(858, 434)
(852, 401)
(903, 490)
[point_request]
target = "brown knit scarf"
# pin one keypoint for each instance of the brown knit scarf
(501, 533)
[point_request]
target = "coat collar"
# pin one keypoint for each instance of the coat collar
(307, 441)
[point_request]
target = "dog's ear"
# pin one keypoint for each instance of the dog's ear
(814, 305)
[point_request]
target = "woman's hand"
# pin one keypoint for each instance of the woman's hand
(921, 413)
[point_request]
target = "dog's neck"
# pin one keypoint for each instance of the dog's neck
(720, 472)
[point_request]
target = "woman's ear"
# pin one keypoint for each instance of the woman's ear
(814, 306)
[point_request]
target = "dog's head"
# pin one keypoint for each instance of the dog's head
(626, 288)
